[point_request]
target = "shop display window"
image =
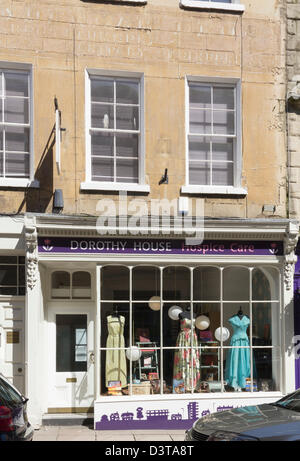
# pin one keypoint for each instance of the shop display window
(182, 330)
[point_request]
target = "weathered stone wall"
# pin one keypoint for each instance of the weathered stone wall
(293, 105)
(61, 38)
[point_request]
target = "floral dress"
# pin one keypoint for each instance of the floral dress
(186, 373)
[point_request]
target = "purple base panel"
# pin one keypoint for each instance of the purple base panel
(155, 246)
(155, 419)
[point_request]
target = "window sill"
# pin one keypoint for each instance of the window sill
(213, 190)
(114, 187)
(19, 183)
(199, 5)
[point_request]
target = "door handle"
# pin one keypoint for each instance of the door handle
(92, 357)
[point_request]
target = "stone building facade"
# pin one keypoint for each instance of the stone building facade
(180, 103)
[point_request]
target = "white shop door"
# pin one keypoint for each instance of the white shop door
(71, 348)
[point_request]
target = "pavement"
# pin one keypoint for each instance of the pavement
(88, 434)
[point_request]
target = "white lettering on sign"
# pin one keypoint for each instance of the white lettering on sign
(152, 246)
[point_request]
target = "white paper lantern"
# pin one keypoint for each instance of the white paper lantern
(174, 312)
(222, 333)
(154, 303)
(133, 353)
(202, 322)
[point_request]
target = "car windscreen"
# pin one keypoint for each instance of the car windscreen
(290, 402)
(8, 396)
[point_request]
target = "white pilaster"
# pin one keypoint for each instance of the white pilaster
(33, 344)
(287, 323)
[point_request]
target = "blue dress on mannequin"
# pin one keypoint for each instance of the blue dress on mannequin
(238, 359)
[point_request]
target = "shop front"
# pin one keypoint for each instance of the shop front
(153, 333)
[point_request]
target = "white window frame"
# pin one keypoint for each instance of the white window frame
(113, 186)
(23, 182)
(211, 4)
(236, 188)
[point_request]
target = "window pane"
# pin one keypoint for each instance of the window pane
(60, 284)
(115, 283)
(1, 164)
(127, 145)
(71, 343)
(199, 173)
(102, 167)
(16, 139)
(8, 275)
(81, 279)
(8, 259)
(207, 321)
(222, 149)
(235, 284)
(17, 164)
(200, 121)
(266, 369)
(102, 90)
(206, 283)
(223, 122)
(8, 291)
(16, 110)
(102, 116)
(127, 118)
(145, 282)
(222, 174)
(127, 92)
(199, 148)
(200, 96)
(265, 328)
(81, 285)
(265, 283)
(127, 170)
(146, 329)
(223, 98)
(176, 283)
(16, 84)
(22, 275)
(102, 144)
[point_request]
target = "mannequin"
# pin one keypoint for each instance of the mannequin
(241, 314)
(186, 314)
(238, 358)
(186, 372)
(116, 366)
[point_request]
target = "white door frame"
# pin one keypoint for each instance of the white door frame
(59, 379)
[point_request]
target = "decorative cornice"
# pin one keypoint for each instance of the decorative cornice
(86, 226)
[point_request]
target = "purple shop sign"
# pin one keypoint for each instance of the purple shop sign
(158, 246)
